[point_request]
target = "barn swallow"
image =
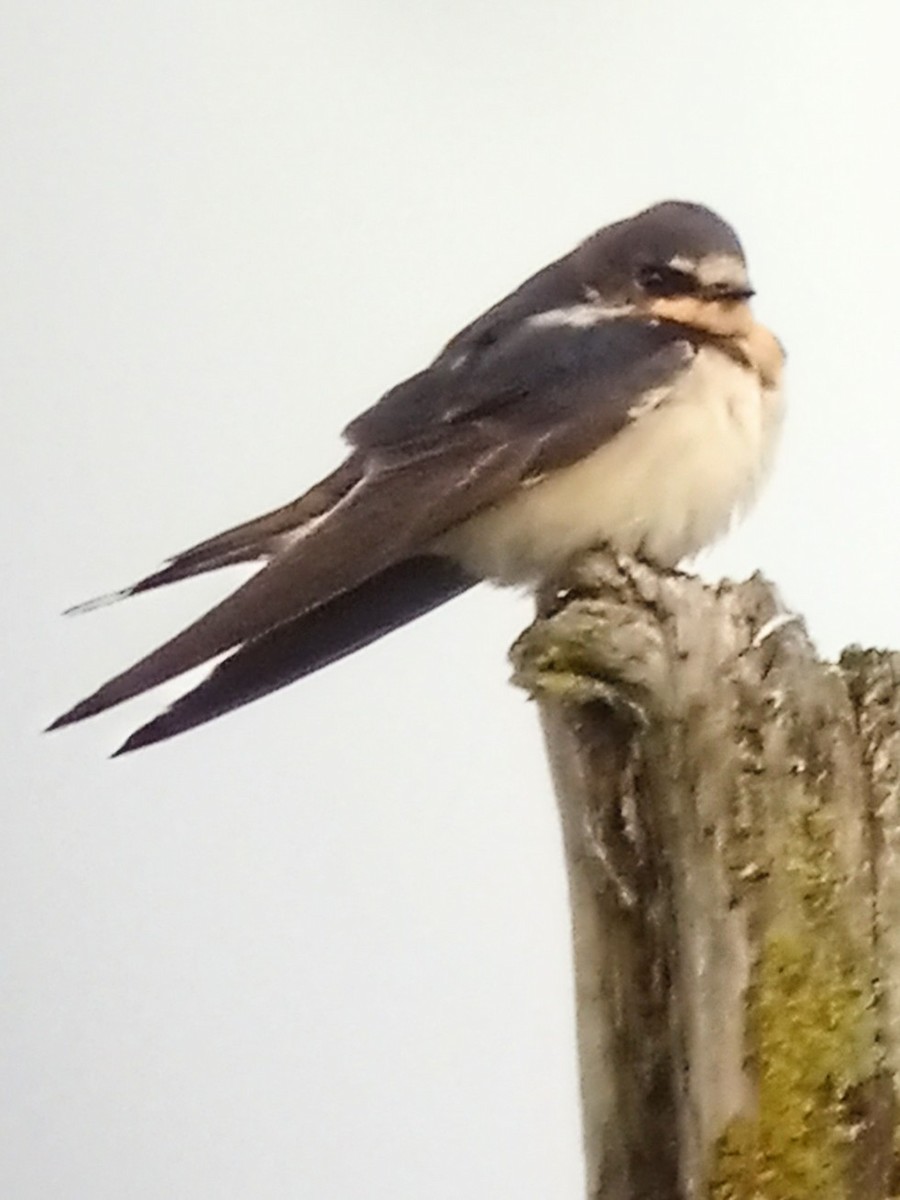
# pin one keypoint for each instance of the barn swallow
(623, 396)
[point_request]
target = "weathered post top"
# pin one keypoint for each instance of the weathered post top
(731, 814)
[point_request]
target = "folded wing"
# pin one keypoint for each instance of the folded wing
(389, 515)
(304, 644)
(431, 454)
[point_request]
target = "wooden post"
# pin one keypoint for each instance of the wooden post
(730, 807)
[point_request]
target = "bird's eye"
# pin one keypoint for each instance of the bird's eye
(661, 280)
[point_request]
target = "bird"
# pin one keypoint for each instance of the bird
(624, 396)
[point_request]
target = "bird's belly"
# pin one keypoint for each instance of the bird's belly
(664, 487)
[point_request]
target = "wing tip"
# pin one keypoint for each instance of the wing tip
(78, 712)
(130, 744)
(148, 735)
(157, 730)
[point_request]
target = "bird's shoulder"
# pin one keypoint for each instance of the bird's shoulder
(528, 363)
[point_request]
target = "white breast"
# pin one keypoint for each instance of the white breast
(670, 483)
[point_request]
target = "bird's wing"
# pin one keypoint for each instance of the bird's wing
(547, 372)
(306, 643)
(542, 398)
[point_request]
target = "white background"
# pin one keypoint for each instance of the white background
(320, 948)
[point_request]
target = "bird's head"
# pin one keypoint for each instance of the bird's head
(675, 261)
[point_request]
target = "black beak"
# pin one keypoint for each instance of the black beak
(728, 291)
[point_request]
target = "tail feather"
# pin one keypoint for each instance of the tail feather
(96, 602)
(309, 642)
(248, 542)
(173, 572)
(254, 539)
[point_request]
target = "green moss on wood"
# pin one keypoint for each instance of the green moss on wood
(810, 1033)
(806, 1015)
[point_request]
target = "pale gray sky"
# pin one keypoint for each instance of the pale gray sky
(320, 948)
